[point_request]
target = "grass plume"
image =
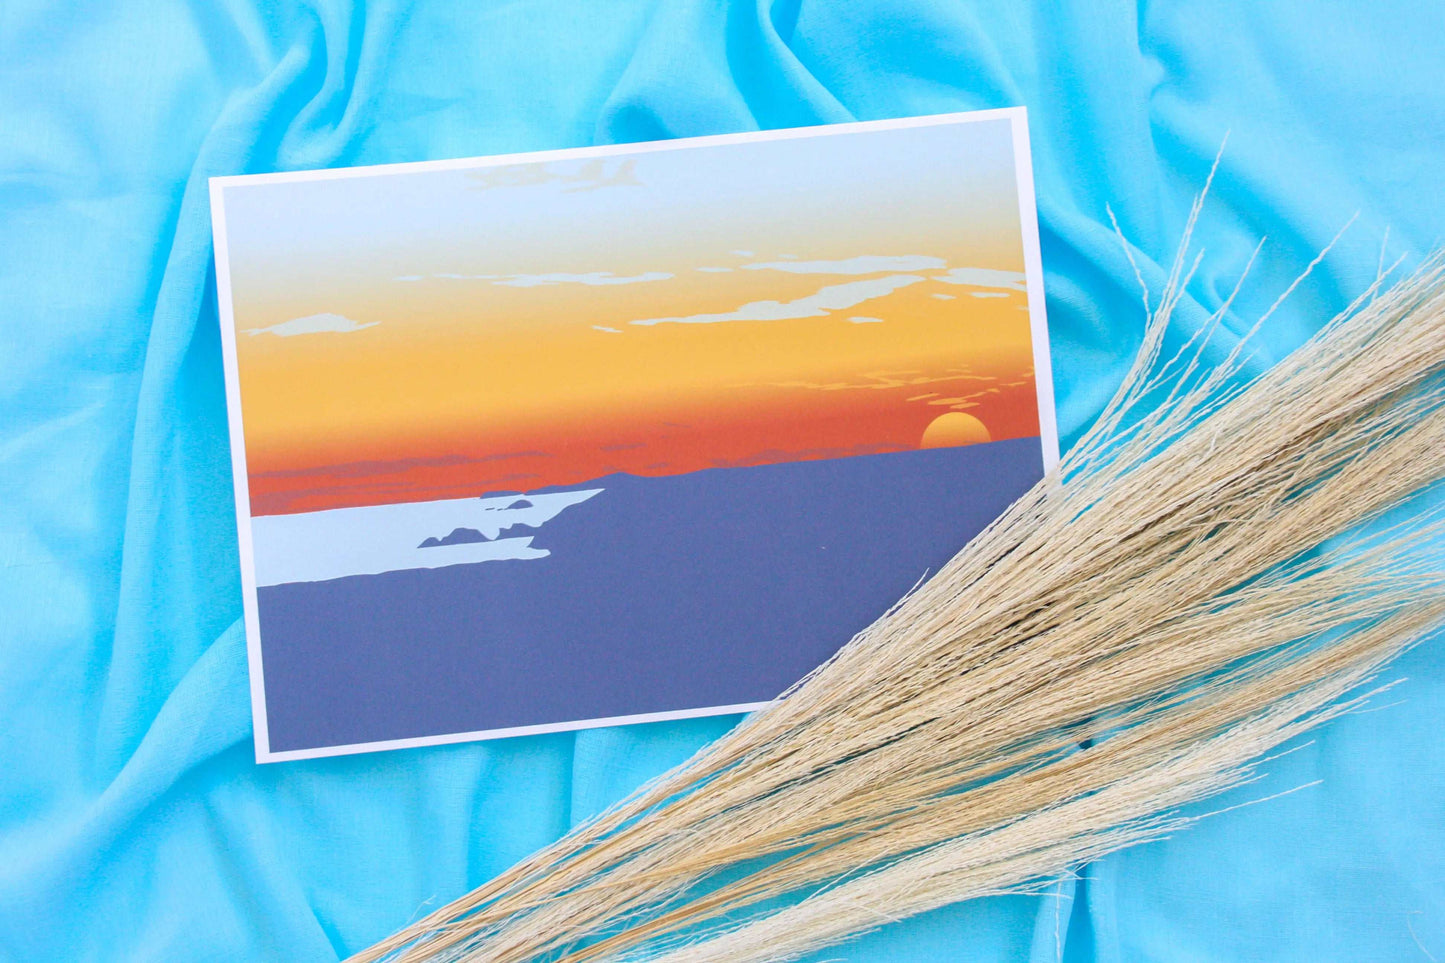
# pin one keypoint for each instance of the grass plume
(1209, 572)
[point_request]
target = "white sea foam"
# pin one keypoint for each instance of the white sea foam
(315, 546)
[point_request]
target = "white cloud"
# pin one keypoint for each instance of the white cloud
(863, 320)
(312, 324)
(984, 278)
(586, 176)
(743, 253)
(538, 280)
(603, 327)
(594, 278)
(835, 297)
(864, 264)
(988, 294)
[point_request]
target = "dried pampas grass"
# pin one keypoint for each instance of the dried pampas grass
(1208, 573)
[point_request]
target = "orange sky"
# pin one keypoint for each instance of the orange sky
(442, 368)
(469, 415)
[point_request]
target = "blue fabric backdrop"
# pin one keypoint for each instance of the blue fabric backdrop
(134, 824)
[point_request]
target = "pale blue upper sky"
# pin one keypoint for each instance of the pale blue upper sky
(873, 193)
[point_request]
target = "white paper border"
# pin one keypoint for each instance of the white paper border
(1043, 378)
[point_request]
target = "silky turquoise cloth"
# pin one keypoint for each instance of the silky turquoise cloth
(134, 824)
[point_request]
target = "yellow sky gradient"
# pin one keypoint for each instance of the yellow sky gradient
(478, 362)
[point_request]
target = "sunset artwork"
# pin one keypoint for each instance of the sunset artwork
(538, 442)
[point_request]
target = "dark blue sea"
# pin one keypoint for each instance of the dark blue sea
(715, 588)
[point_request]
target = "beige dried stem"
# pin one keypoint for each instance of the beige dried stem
(1205, 575)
